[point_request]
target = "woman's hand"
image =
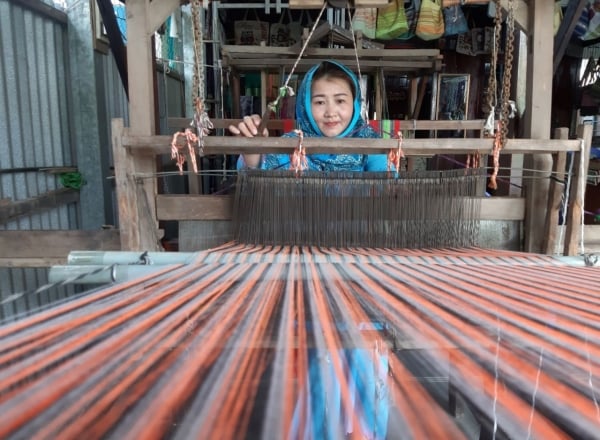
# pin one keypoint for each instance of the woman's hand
(248, 127)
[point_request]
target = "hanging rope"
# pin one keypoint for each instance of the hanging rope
(183, 143)
(286, 90)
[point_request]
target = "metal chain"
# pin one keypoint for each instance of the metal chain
(198, 79)
(492, 89)
(508, 63)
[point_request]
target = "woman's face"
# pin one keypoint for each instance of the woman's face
(332, 105)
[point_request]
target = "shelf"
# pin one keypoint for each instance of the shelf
(419, 61)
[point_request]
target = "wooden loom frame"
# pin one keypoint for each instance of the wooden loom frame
(135, 147)
(128, 148)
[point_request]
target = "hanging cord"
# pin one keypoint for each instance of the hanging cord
(286, 90)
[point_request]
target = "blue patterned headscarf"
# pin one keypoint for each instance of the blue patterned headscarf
(357, 128)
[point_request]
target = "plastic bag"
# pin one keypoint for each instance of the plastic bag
(365, 21)
(391, 21)
(455, 21)
(430, 24)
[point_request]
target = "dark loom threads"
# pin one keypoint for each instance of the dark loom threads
(433, 209)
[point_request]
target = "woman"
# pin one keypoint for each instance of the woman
(328, 103)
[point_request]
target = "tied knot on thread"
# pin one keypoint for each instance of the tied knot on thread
(298, 160)
(202, 123)
(395, 155)
(283, 92)
(496, 156)
(183, 143)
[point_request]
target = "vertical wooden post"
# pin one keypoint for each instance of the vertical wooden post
(555, 196)
(141, 226)
(537, 118)
(574, 215)
(126, 193)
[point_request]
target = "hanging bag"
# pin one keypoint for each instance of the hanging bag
(251, 32)
(279, 33)
(430, 24)
(365, 21)
(296, 28)
(411, 10)
(391, 21)
(455, 22)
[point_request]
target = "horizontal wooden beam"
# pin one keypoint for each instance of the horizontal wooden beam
(203, 207)
(238, 52)
(406, 125)
(182, 123)
(302, 65)
(411, 147)
(49, 200)
(193, 207)
(26, 248)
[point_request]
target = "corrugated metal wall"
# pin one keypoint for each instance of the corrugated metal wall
(36, 131)
(34, 112)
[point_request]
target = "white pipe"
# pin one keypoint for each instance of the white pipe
(99, 274)
(106, 258)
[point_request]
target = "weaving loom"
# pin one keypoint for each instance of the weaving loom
(252, 341)
(317, 325)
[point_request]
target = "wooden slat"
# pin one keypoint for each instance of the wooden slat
(406, 125)
(242, 145)
(52, 244)
(274, 64)
(49, 200)
(193, 207)
(306, 4)
(182, 123)
(371, 3)
(592, 233)
(203, 207)
(258, 52)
